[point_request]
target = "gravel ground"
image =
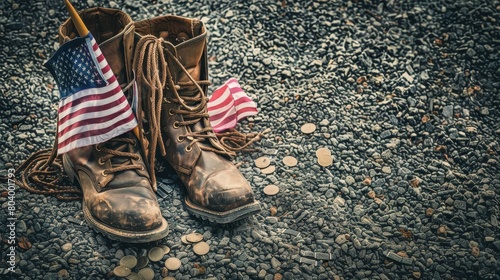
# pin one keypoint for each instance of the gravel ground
(405, 96)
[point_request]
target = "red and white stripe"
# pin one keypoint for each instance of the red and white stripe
(94, 115)
(229, 104)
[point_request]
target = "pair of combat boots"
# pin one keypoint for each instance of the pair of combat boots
(167, 59)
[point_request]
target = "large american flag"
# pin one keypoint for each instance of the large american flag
(229, 104)
(92, 108)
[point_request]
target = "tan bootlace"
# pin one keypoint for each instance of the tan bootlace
(118, 152)
(239, 142)
(43, 172)
(155, 76)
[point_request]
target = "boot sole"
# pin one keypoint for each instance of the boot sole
(226, 217)
(111, 232)
(125, 235)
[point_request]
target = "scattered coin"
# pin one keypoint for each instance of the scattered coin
(172, 263)
(194, 237)
(164, 34)
(165, 248)
(308, 128)
(147, 273)
(184, 240)
(290, 161)
(325, 160)
(323, 151)
(121, 271)
(155, 254)
(142, 261)
(271, 190)
(262, 162)
(134, 276)
(169, 278)
(268, 170)
(201, 248)
(128, 261)
(67, 247)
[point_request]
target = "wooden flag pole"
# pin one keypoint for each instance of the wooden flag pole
(77, 20)
(83, 31)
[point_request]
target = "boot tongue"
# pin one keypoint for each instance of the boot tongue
(189, 53)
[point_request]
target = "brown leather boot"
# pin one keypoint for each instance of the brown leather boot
(118, 196)
(172, 70)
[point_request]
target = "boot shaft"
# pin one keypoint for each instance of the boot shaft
(186, 39)
(114, 32)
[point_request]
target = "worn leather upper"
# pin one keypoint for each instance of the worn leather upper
(123, 199)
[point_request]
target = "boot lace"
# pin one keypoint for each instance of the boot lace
(118, 152)
(156, 77)
(152, 71)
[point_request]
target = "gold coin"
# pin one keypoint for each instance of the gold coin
(184, 240)
(325, 160)
(165, 248)
(121, 271)
(262, 162)
(147, 273)
(308, 128)
(268, 170)
(134, 276)
(194, 237)
(169, 278)
(155, 254)
(271, 190)
(128, 261)
(201, 248)
(142, 261)
(290, 161)
(323, 151)
(172, 263)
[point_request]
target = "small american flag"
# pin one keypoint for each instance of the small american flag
(92, 108)
(229, 104)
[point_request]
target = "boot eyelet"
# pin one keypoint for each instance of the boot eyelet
(188, 149)
(180, 138)
(97, 148)
(100, 161)
(176, 125)
(170, 113)
(103, 173)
